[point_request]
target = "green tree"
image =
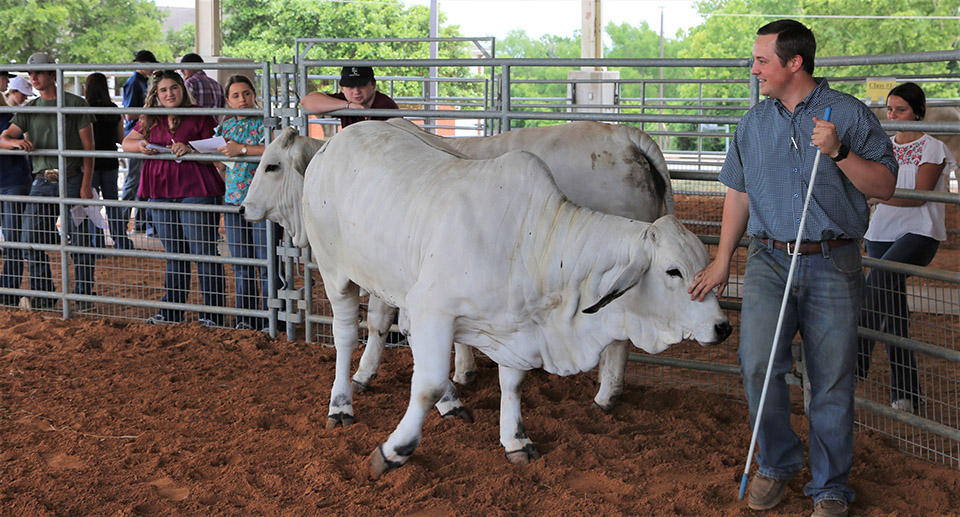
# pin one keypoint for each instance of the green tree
(266, 30)
(181, 41)
(81, 31)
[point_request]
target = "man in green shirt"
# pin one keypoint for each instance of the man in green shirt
(39, 131)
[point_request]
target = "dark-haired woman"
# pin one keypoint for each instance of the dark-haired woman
(188, 182)
(244, 136)
(107, 133)
(907, 231)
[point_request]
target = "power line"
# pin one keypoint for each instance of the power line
(851, 17)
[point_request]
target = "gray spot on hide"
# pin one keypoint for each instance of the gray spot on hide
(521, 432)
(643, 175)
(407, 449)
(341, 400)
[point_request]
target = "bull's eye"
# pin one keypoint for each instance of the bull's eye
(272, 167)
(675, 272)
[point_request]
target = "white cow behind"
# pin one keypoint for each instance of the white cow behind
(488, 253)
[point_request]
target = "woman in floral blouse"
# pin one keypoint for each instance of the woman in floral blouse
(244, 136)
(908, 231)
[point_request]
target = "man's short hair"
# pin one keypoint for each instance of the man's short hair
(144, 56)
(191, 58)
(356, 76)
(793, 38)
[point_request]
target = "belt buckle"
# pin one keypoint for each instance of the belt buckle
(51, 175)
(795, 251)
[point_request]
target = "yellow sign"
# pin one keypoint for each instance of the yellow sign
(878, 87)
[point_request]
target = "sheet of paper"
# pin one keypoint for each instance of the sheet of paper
(208, 145)
(79, 213)
(160, 149)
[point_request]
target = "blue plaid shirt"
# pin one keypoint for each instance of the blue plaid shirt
(771, 159)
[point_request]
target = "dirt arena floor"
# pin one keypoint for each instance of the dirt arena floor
(107, 418)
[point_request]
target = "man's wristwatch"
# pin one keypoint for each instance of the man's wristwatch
(841, 153)
(243, 150)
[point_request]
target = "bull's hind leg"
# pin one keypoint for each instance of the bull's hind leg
(431, 340)
(379, 318)
(613, 366)
(513, 437)
(465, 366)
(345, 301)
(450, 406)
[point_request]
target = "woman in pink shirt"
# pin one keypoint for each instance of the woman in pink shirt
(188, 182)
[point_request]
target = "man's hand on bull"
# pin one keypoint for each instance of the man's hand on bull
(714, 275)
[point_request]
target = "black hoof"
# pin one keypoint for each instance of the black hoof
(461, 412)
(380, 465)
(523, 456)
(359, 387)
(339, 419)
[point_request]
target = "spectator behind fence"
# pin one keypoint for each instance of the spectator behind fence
(134, 95)
(20, 89)
(5, 78)
(15, 178)
(107, 133)
(188, 182)
(358, 90)
(41, 218)
(244, 137)
(908, 231)
(766, 169)
(204, 90)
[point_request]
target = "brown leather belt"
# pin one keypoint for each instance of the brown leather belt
(53, 175)
(806, 248)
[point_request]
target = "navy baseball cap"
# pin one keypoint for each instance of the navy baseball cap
(356, 75)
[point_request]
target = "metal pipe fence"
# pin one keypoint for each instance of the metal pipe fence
(136, 284)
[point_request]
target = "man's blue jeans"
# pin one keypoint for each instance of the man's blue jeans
(40, 226)
(189, 231)
(885, 305)
(249, 240)
(823, 305)
(12, 275)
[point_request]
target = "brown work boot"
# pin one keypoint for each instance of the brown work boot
(830, 508)
(765, 493)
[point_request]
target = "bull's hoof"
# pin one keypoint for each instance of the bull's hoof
(523, 456)
(607, 406)
(339, 419)
(461, 412)
(466, 379)
(380, 465)
(360, 387)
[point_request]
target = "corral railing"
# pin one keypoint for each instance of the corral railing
(129, 283)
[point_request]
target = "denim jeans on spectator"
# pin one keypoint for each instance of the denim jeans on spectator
(824, 300)
(13, 259)
(40, 225)
(885, 305)
(249, 240)
(189, 231)
(117, 217)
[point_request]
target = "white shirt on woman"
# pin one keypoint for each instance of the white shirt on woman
(888, 222)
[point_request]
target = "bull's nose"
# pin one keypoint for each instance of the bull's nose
(723, 330)
(242, 209)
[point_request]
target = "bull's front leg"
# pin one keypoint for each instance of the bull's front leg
(513, 437)
(465, 365)
(431, 341)
(379, 317)
(613, 366)
(345, 303)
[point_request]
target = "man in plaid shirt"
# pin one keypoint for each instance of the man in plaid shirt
(205, 91)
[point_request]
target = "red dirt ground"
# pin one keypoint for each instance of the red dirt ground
(105, 418)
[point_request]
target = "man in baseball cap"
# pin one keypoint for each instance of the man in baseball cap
(41, 58)
(358, 90)
(5, 80)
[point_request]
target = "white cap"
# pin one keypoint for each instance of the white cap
(22, 85)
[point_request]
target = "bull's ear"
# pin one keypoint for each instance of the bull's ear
(623, 276)
(288, 137)
(604, 301)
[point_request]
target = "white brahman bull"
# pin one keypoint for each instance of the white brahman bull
(614, 169)
(491, 254)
